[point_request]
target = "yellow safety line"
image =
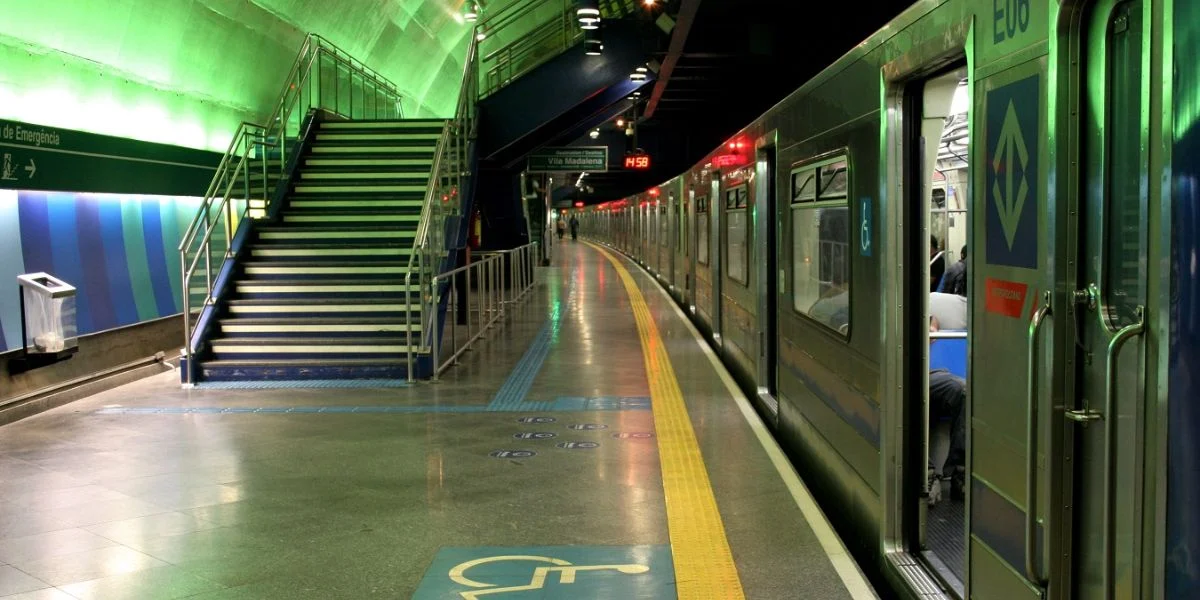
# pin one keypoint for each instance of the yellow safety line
(704, 566)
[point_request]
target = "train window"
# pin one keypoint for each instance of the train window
(737, 229)
(702, 229)
(804, 185)
(821, 243)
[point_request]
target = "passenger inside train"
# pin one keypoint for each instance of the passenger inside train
(955, 279)
(937, 264)
(948, 402)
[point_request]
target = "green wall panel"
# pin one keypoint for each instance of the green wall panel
(186, 72)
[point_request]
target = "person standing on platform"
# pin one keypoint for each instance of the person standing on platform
(574, 227)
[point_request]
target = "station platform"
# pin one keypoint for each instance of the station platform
(591, 447)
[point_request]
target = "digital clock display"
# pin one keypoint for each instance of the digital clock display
(639, 162)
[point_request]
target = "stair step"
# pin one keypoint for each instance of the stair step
(335, 233)
(395, 124)
(357, 136)
(374, 149)
(329, 251)
(367, 176)
(357, 187)
(413, 200)
(325, 268)
(297, 368)
(369, 162)
(351, 217)
(302, 325)
(310, 347)
(334, 286)
(336, 306)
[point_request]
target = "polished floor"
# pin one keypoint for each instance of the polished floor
(534, 469)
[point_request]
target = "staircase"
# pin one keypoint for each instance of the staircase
(319, 292)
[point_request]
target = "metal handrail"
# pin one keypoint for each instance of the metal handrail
(563, 21)
(531, 45)
(446, 176)
(1033, 567)
(489, 307)
(266, 143)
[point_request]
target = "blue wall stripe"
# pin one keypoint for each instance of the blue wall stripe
(95, 283)
(12, 263)
(34, 214)
(120, 287)
(64, 239)
(164, 297)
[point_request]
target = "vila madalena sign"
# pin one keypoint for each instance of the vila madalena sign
(570, 158)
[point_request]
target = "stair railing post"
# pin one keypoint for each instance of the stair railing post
(470, 268)
(435, 347)
(187, 318)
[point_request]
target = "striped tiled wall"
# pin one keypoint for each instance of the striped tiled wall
(119, 251)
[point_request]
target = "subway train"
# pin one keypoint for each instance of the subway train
(1057, 143)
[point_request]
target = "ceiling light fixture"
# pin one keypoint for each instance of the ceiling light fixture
(480, 35)
(471, 12)
(594, 134)
(588, 14)
(592, 44)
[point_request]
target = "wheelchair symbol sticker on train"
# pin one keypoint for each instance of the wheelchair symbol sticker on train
(549, 572)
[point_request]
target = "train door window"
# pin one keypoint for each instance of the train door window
(737, 227)
(664, 223)
(821, 242)
(682, 212)
(702, 230)
(1126, 211)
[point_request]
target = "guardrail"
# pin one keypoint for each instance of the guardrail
(560, 30)
(323, 77)
(478, 294)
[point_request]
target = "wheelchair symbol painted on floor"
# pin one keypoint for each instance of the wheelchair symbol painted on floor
(565, 571)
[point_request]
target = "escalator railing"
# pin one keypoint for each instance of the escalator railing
(323, 77)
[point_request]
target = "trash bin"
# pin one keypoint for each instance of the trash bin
(47, 315)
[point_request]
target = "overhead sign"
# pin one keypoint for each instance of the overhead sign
(33, 157)
(1013, 127)
(569, 158)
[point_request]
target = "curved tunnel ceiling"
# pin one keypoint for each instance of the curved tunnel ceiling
(186, 72)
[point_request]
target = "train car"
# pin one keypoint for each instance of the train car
(1057, 144)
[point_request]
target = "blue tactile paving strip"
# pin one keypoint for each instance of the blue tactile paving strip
(302, 383)
(520, 380)
(563, 404)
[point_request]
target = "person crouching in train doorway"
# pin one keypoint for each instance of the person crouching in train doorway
(948, 399)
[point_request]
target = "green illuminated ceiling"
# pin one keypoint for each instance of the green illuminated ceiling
(186, 72)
